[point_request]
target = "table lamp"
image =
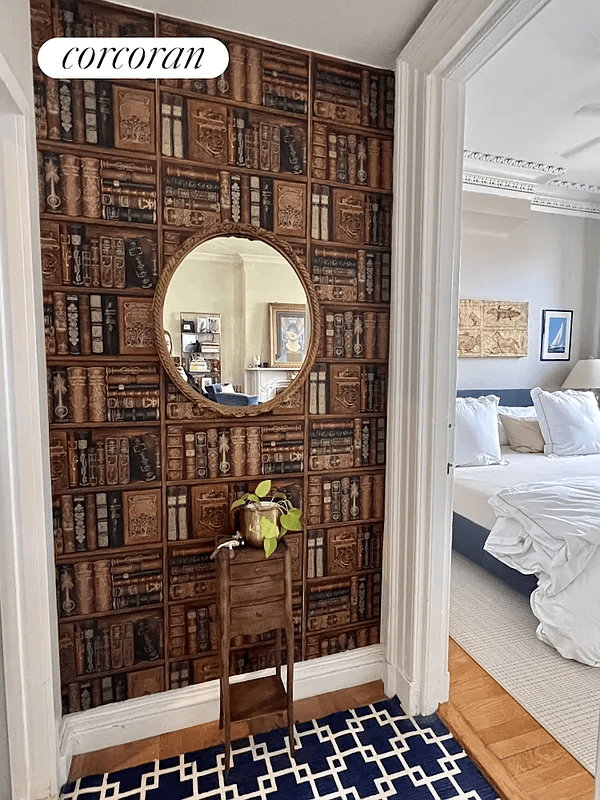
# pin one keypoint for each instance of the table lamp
(584, 375)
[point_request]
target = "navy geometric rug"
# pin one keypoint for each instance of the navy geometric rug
(368, 753)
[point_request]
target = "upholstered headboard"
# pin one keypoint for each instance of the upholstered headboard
(508, 397)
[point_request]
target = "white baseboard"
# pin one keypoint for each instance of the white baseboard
(143, 717)
(396, 683)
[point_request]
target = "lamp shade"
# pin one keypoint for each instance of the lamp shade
(584, 375)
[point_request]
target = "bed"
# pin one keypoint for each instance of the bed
(540, 515)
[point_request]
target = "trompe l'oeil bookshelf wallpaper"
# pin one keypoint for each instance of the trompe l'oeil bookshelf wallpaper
(294, 142)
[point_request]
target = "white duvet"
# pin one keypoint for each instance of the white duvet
(552, 529)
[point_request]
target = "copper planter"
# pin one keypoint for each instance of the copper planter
(250, 517)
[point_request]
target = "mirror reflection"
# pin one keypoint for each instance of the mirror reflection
(236, 321)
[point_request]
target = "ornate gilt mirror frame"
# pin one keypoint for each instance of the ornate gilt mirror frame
(210, 408)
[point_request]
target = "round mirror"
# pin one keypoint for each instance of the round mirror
(237, 320)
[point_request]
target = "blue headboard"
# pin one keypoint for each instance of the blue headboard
(508, 397)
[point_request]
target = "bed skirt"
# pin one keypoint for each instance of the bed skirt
(468, 539)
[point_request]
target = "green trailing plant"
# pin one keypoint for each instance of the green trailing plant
(288, 518)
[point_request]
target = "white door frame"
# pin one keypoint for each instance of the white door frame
(454, 41)
(27, 596)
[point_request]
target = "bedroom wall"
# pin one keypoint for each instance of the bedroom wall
(512, 253)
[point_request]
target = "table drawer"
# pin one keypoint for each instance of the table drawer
(257, 592)
(262, 569)
(248, 620)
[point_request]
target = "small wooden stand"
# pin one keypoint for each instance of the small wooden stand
(255, 596)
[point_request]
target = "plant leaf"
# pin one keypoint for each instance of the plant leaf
(253, 498)
(237, 503)
(279, 496)
(268, 529)
(263, 488)
(270, 547)
(290, 522)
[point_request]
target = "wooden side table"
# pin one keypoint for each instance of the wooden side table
(255, 596)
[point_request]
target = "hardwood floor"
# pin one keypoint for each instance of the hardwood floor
(517, 756)
(207, 735)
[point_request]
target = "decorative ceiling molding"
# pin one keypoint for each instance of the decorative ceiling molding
(494, 182)
(504, 161)
(588, 188)
(561, 205)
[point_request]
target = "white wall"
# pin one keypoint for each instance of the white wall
(511, 253)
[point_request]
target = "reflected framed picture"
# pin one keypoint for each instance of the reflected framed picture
(289, 335)
(556, 335)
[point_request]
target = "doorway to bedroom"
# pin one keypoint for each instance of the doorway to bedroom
(529, 294)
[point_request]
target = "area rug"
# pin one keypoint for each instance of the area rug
(496, 627)
(369, 753)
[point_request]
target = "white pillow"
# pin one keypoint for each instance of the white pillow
(227, 388)
(569, 420)
(512, 411)
(477, 442)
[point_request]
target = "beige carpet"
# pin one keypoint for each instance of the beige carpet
(496, 626)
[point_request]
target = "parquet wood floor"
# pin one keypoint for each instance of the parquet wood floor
(518, 757)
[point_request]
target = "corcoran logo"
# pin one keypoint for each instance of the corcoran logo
(144, 57)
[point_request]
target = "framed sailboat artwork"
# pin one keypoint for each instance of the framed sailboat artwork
(556, 335)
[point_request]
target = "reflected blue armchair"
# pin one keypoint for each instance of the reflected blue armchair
(215, 393)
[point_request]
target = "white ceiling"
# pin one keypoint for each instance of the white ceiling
(368, 32)
(538, 99)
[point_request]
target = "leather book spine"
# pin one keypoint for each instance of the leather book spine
(116, 646)
(179, 132)
(102, 585)
(352, 158)
(255, 201)
(115, 519)
(90, 188)
(245, 199)
(166, 117)
(53, 184)
(73, 456)
(128, 645)
(361, 161)
(369, 338)
(345, 499)
(123, 461)
(378, 495)
(349, 335)
(66, 650)
(237, 66)
(41, 121)
(68, 523)
(59, 302)
(83, 443)
(189, 439)
(383, 322)
(51, 254)
(107, 262)
(102, 519)
(85, 325)
(78, 396)
(96, 394)
(253, 452)
(327, 515)
(387, 161)
(57, 531)
(90, 522)
(254, 76)
(76, 238)
(84, 583)
(119, 263)
(41, 176)
(329, 330)
(65, 102)
(72, 309)
(182, 513)
(78, 112)
(52, 108)
(213, 452)
(66, 256)
(364, 97)
(377, 281)
(68, 605)
(59, 461)
(110, 325)
(71, 184)
(238, 451)
(319, 152)
(61, 403)
(172, 528)
(90, 105)
(104, 115)
(79, 521)
(315, 500)
(112, 460)
(374, 162)
(96, 324)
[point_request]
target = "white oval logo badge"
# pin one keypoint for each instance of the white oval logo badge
(143, 57)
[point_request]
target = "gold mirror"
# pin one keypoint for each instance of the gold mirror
(237, 320)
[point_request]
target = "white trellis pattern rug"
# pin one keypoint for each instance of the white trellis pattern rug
(496, 626)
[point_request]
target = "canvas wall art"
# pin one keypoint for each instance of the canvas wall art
(493, 329)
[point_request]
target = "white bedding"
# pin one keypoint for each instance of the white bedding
(552, 529)
(473, 486)
(544, 518)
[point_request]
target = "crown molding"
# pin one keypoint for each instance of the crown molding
(505, 161)
(514, 177)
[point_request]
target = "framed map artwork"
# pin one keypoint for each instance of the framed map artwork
(493, 329)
